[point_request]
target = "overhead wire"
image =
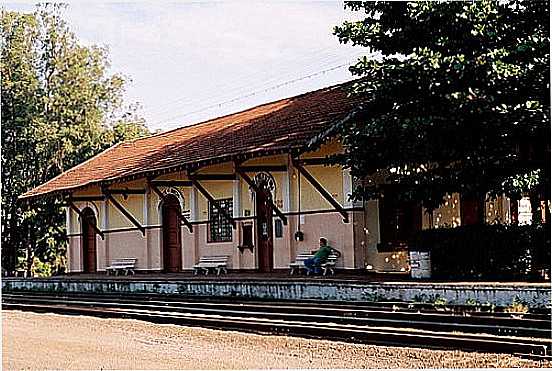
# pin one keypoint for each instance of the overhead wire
(238, 78)
(237, 98)
(246, 80)
(223, 92)
(231, 99)
(276, 86)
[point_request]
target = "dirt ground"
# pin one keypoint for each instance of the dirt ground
(47, 341)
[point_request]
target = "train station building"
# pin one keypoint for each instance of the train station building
(256, 186)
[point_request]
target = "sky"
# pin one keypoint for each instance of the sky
(193, 61)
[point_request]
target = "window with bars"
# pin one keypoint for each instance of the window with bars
(220, 228)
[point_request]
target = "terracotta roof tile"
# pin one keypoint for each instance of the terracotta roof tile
(269, 128)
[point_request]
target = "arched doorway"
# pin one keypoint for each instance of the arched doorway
(172, 240)
(88, 220)
(266, 184)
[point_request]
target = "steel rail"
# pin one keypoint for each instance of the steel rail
(525, 320)
(426, 321)
(287, 322)
(325, 331)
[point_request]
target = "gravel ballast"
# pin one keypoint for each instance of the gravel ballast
(47, 341)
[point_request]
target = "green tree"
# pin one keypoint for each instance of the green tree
(60, 106)
(458, 102)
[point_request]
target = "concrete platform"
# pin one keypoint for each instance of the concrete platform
(256, 286)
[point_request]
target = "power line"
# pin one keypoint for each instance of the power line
(219, 104)
(236, 99)
(314, 55)
(230, 89)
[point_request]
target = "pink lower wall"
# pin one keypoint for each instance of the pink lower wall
(148, 249)
(359, 238)
(189, 251)
(153, 236)
(215, 248)
(129, 244)
(281, 248)
(331, 226)
(74, 254)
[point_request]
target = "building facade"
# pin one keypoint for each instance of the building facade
(251, 186)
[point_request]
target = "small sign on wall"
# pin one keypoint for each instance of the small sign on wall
(302, 219)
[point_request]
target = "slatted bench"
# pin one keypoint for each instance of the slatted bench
(126, 265)
(327, 267)
(299, 263)
(218, 263)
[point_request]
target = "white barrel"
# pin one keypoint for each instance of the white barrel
(420, 264)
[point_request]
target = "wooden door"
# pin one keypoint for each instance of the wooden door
(264, 231)
(400, 221)
(172, 240)
(88, 241)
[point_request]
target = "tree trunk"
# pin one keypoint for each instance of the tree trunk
(514, 212)
(30, 253)
(10, 250)
(535, 208)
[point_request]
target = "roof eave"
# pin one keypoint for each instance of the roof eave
(165, 170)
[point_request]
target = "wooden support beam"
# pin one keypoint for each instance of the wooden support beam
(321, 190)
(124, 211)
(86, 198)
(313, 161)
(171, 183)
(181, 217)
(76, 209)
(252, 184)
(259, 168)
(126, 191)
(210, 198)
(214, 176)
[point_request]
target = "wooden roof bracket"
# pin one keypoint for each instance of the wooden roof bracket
(127, 191)
(128, 215)
(321, 190)
(258, 168)
(86, 198)
(182, 217)
(170, 183)
(76, 209)
(211, 199)
(252, 184)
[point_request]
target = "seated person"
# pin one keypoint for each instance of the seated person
(320, 256)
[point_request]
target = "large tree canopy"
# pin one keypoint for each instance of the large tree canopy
(60, 106)
(458, 102)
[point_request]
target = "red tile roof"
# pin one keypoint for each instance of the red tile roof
(276, 127)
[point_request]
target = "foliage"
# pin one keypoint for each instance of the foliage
(517, 306)
(487, 251)
(458, 102)
(60, 106)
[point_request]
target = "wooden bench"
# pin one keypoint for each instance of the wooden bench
(327, 267)
(126, 265)
(206, 263)
(299, 263)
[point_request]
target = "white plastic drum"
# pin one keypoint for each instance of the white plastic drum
(420, 264)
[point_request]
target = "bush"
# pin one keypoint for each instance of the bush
(505, 252)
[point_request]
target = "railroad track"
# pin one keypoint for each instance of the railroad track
(391, 324)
